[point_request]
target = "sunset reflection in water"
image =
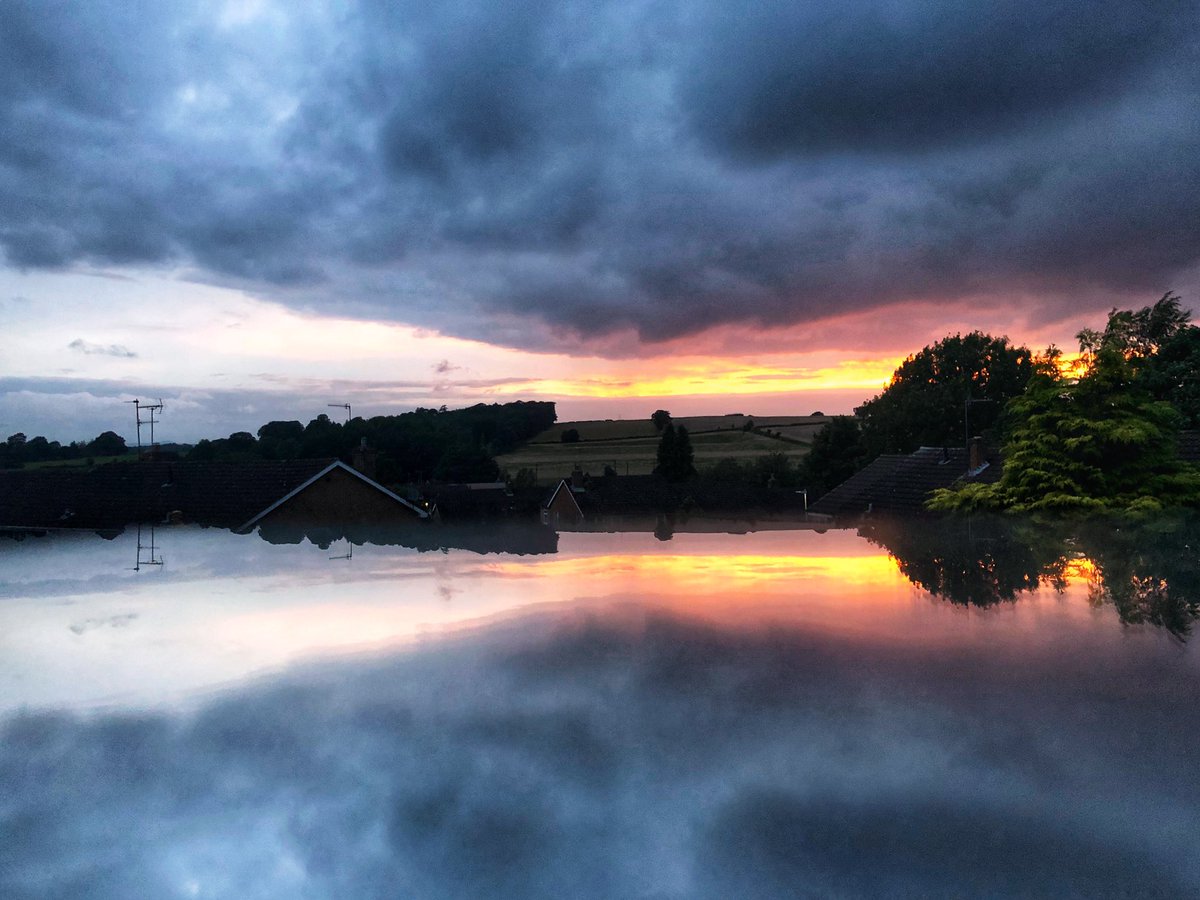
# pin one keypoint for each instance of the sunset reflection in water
(81, 627)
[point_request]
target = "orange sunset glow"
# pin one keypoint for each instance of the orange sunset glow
(729, 377)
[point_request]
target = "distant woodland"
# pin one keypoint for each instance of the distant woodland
(439, 444)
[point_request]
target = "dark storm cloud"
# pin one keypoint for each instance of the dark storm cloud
(576, 756)
(788, 78)
(537, 172)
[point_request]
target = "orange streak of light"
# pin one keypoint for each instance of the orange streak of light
(716, 572)
(720, 377)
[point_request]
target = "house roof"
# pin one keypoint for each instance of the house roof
(111, 496)
(335, 465)
(901, 483)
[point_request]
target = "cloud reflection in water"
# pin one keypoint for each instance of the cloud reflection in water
(626, 746)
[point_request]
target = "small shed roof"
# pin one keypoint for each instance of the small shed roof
(563, 487)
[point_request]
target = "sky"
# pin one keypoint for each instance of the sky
(255, 209)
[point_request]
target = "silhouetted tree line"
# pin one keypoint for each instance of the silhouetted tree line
(18, 450)
(444, 445)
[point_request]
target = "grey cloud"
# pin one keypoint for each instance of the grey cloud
(552, 174)
(120, 351)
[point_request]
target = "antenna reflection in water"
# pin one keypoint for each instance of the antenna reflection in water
(146, 555)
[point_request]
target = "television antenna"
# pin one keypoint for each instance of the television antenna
(345, 406)
(145, 414)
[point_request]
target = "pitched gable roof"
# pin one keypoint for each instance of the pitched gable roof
(333, 466)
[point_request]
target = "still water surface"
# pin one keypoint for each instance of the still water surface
(773, 714)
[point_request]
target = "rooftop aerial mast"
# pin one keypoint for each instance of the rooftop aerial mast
(146, 414)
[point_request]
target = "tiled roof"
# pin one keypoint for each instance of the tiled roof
(901, 483)
(118, 494)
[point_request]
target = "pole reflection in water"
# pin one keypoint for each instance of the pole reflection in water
(771, 714)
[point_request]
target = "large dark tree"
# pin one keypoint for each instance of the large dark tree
(924, 403)
(676, 459)
(1172, 372)
(107, 444)
(1137, 334)
(835, 455)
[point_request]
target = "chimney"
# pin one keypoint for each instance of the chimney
(976, 456)
(363, 459)
(577, 478)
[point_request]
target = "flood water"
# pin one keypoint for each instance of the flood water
(908, 710)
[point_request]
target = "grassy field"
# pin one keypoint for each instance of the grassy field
(630, 445)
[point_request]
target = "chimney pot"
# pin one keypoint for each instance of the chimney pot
(976, 453)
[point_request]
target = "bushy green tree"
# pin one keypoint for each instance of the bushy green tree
(1100, 442)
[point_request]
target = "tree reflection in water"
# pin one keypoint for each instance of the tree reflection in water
(1148, 572)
